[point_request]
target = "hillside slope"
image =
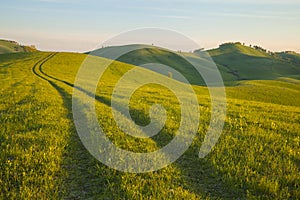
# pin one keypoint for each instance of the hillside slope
(146, 55)
(7, 46)
(235, 61)
(247, 63)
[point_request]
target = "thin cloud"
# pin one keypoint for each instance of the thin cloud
(258, 15)
(232, 1)
(58, 1)
(176, 16)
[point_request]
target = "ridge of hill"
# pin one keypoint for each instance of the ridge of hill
(235, 61)
(147, 56)
(9, 46)
(255, 63)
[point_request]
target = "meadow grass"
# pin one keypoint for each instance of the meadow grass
(34, 131)
(257, 156)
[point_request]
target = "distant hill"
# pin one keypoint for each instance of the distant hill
(249, 63)
(234, 60)
(8, 46)
(150, 54)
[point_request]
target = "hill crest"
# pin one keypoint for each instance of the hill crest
(10, 46)
(235, 61)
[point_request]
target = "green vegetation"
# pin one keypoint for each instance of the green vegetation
(234, 60)
(247, 63)
(7, 46)
(145, 54)
(34, 131)
(257, 156)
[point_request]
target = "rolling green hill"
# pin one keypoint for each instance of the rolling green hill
(139, 55)
(248, 63)
(234, 60)
(7, 46)
(42, 157)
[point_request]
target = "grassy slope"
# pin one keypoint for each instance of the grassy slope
(257, 156)
(235, 62)
(150, 54)
(34, 131)
(247, 63)
(10, 47)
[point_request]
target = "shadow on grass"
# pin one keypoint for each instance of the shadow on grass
(202, 177)
(88, 178)
(84, 179)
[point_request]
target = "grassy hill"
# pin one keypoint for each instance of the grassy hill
(42, 157)
(248, 63)
(7, 46)
(139, 55)
(234, 60)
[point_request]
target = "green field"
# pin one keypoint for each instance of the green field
(42, 157)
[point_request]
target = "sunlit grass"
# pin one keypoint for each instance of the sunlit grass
(257, 156)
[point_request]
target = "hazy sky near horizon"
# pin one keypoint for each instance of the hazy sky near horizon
(79, 25)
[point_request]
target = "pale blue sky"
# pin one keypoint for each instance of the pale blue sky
(78, 25)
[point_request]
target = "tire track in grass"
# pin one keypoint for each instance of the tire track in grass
(38, 65)
(83, 179)
(112, 180)
(202, 179)
(205, 183)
